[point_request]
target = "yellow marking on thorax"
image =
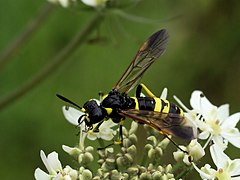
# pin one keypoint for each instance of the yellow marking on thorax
(181, 112)
(103, 97)
(136, 102)
(109, 110)
(158, 105)
(87, 118)
(83, 109)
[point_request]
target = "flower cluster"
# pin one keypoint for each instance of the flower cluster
(216, 130)
(112, 165)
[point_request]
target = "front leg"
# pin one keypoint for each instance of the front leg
(96, 129)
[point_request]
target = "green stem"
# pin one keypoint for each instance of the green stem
(185, 173)
(100, 142)
(144, 158)
(23, 37)
(63, 55)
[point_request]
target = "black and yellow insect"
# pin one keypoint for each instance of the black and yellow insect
(159, 114)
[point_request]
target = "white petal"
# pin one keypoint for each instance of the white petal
(235, 167)
(223, 112)
(235, 178)
(41, 175)
(72, 114)
(107, 135)
(53, 1)
(54, 161)
(196, 150)
(46, 163)
(92, 135)
(231, 121)
(94, 3)
(219, 141)
(64, 3)
(218, 156)
(71, 150)
(195, 100)
(232, 136)
(207, 173)
(200, 103)
(164, 93)
(203, 135)
(186, 160)
(107, 125)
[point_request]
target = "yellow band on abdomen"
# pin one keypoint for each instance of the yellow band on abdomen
(158, 105)
(165, 106)
(136, 102)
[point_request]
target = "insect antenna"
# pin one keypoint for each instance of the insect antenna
(67, 100)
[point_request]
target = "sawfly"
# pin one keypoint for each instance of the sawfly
(160, 114)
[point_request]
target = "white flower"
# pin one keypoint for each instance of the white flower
(214, 122)
(195, 152)
(226, 168)
(95, 3)
(105, 130)
(63, 3)
(54, 168)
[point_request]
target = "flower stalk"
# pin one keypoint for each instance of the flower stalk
(52, 66)
(32, 27)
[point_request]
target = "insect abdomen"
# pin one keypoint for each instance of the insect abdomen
(156, 104)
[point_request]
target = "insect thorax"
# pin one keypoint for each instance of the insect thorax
(117, 102)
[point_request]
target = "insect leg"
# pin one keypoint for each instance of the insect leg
(118, 141)
(175, 144)
(96, 129)
(139, 89)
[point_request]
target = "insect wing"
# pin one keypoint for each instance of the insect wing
(166, 123)
(146, 55)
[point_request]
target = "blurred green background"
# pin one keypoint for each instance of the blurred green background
(203, 54)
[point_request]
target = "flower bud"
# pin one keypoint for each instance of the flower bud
(145, 175)
(85, 158)
(133, 171)
(148, 147)
(164, 143)
(71, 172)
(132, 150)
(85, 174)
(156, 175)
(168, 168)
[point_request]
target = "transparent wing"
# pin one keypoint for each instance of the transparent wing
(166, 123)
(146, 55)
